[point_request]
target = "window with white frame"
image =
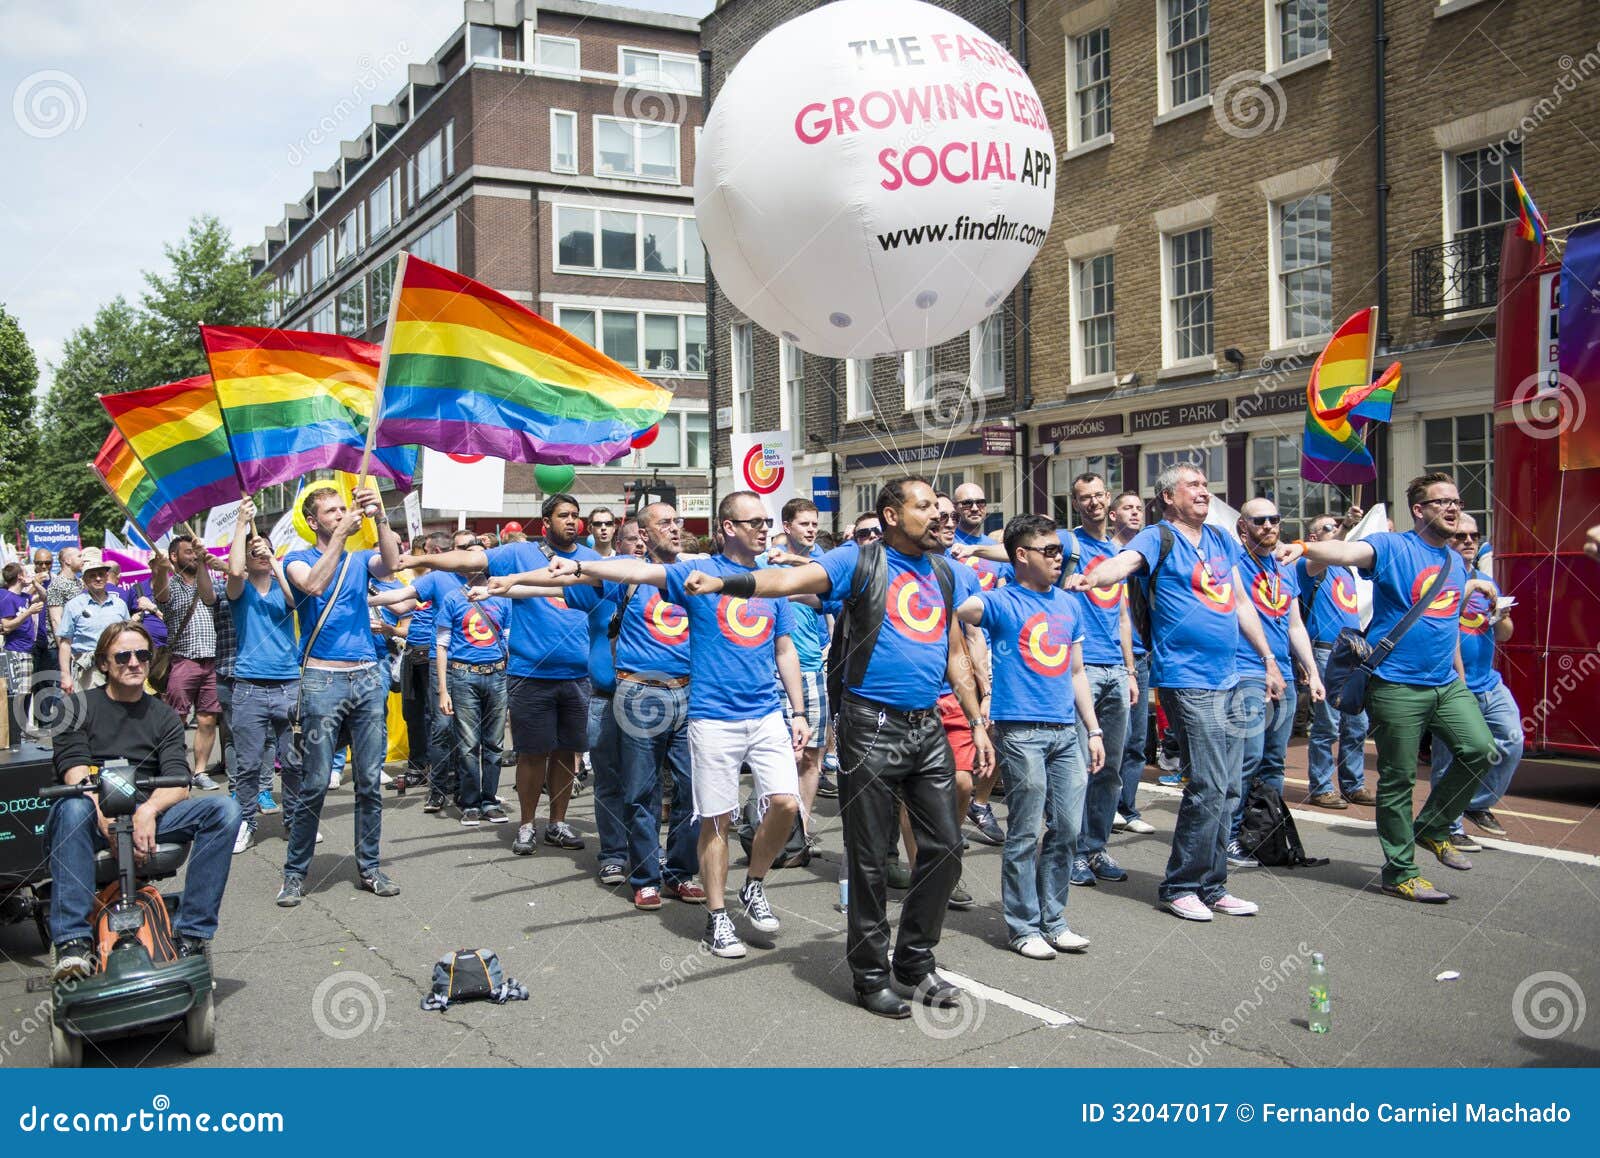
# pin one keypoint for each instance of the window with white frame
(1301, 29)
(916, 368)
(382, 278)
(672, 71)
(646, 150)
(353, 310)
(1063, 469)
(293, 283)
(1275, 475)
(346, 239)
(1095, 317)
(741, 341)
(1212, 460)
(1479, 199)
(381, 208)
(1463, 447)
(694, 344)
(858, 388)
(319, 261)
(697, 441)
(1188, 277)
(866, 497)
(563, 141)
(621, 241)
(792, 396)
(1304, 256)
(1089, 114)
(432, 163)
(658, 343)
(324, 320)
(438, 245)
(483, 42)
(555, 54)
(1185, 52)
(986, 350)
(667, 449)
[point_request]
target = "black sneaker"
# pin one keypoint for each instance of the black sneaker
(74, 959)
(612, 873)
(721, 937)
(754, 899)
(1486, 820)
(471, 818)
(435, 801)
(981, 817)
(494, 814)
(379, 885)
(292, 893)
(193, 946)
(561, 835)
(826, 787)
(526, 841)
(897, 875)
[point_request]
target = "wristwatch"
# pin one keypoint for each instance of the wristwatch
(1095, 733)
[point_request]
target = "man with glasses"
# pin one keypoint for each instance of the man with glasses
(603, 530)
(84, 618)
(1328, 605)
(867, 528)
(1419, 686)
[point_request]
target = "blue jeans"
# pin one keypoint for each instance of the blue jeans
(263, 719)
(1046, 780)
(230, 756)
(1505, 725)
(1328, 724)
(1138, 735)
(1108, 684)
(334, 702)
(207, 823)
(479, 702)
(599, 709)
(1266, 726)
(1213, 746)
(446, 760)
(648, 729)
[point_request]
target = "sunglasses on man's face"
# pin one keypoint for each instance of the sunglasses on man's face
(753, 524)
(1464, 536)
(1266, 520)
(947, 517)
(972, 504)
(602, 524)
(129, 658)
(1053, 551)
(867, 534)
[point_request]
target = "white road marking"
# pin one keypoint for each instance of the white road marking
(1051, 1017)
(1498, 809)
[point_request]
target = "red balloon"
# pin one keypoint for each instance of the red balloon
(512, 528)
(645, 437)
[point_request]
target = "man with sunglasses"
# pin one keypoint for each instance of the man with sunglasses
(1419, 686)
(603, 530)
(1328, 605)
(867, 529)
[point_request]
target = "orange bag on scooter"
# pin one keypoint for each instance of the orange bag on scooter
(155, 933)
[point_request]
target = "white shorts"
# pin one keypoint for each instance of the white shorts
(717, 750)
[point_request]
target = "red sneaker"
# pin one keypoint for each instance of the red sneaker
(686, 891)
(648, 897)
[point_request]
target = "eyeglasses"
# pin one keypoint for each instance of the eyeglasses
(867, 534)
(947, 517)
(674, 522)
(1266, 520)
(1053, 551)
(972, 503)
(1463, 536)
(754, 524)
(1447, 504)
(1325, 529)
(128, 658)
(600, 525)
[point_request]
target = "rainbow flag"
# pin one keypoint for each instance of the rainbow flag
(176, 432)
(1530, 222)
(469, 371)
(293, 402)
(124, 477)
(1341, 397)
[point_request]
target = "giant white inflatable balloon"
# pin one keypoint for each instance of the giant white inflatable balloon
(875, 176)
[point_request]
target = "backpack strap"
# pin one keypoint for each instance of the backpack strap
(614, 628)
(1070, 557)
(1308, 596)
(1168, 542)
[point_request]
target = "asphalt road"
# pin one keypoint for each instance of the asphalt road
(338, 981)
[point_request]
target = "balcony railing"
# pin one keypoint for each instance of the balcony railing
(1458, 276)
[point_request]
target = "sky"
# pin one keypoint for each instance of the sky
(123, 121)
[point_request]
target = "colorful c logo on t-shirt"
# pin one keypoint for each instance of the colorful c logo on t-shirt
(1344, 594)
(1107, 598)
(1213, 589)
(1445, 604)
(666, 622)
(742, 623)
(916, 613)
(1045, 644)
(1268, 594)
(1475, 616)
(987, 579)
(478, 629)
(558, 602)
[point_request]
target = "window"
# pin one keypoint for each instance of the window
(1213, 461)
(667, 449)
(438, 245)
(1187, 51)
(346, 239)
(858, 388)
(792, 399)
(647, 150)
(1094, 306)
(1063, 470)
(293, 285)
(866, 498)
(380, 208)
(694, 255)
(433, 163)
(1275, 475)
(555, 54)
(319, 262)
(483, 42)
(1462, 446)
(1189, 293)
(563, 141)
(986, 351)
(1304, 254)
(697, 440)
(382, 288)
(1089, 113)
(672, 71)
(325, 320)
(1481, 199)
(694, 344)
(662, 343)
(578, 323)
(1302, 29)
(916, 368)
(638, 243)
(619, 337)
(743, 374)
(353, 310)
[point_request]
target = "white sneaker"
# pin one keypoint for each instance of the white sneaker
(1231, 906)
(334, 781)
(1142, 827)
(244, 838)
(1188, 906)
(1118, 824)
(319, 836)
(1034, 947)
(385, 779)
(1069, 942)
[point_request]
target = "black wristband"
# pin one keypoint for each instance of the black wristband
(742, 586)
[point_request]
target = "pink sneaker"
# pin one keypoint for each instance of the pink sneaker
(1231, 906)
(1188, 906)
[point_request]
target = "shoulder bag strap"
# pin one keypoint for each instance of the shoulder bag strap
(1389, 642)
(327, 609)
(187, 616)
(614, 628)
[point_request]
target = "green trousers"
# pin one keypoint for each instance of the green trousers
(1400, 716)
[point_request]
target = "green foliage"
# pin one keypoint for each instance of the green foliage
(19, 380)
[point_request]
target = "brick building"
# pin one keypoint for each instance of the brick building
(546, 149)
(1219, 213)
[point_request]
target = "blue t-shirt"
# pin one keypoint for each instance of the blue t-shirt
(1033, 682)
(732, 642)
(549, 639)
(153, 623)
(430, 589)
(12, 602)
(1195, 621)
(989, 573)
(264, 627)
(1101, 606)
(1477, 640)
(347, 634)
(1402, 567)
(1274, 590)
(1335, 605)
(907, 669)
(377, 615)
(477, 630)
(654, 636)
(810, 633)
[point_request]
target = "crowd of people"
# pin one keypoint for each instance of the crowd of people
(923, 662)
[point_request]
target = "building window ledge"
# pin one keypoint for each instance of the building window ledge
(1188, 368)
(1451, 7)
(1104, 141)
(1094, 382)
(1303, 348)
(1322, 56)
(1466, 319)
(1183, 110)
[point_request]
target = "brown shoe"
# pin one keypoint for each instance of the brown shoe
(1327, 800)
(1362, 796)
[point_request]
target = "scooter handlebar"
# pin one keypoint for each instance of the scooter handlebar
(143, 783)
(56, 791)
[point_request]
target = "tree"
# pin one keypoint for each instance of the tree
(19, 380)
(208, 282)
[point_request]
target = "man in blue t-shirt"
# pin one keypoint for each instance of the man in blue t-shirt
(1126, 519)
(344, 690)
(892, 745)
(1419, 687)
(470, 672)
(1040, 695)
(1329, 604)
(1196, 619)
(735, 718)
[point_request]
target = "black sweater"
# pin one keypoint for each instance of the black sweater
(147, 734)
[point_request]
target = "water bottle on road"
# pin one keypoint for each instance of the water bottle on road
(1321, 1013)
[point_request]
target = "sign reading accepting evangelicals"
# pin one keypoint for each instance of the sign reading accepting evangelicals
(764, 463)
(52, 534)
(907, 158)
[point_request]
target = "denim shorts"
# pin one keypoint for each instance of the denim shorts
(814, 694)
(548, 715)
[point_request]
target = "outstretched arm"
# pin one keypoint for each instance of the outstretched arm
(462, 561)
(618, 570)
(1328, 553)
(393, 597)
(773, 583)
(1112, 571)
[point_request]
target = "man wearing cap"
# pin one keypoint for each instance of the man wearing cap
(83, 618)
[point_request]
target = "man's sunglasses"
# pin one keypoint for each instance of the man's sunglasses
(946, 517)
(126, 658)
(1463, 536)
(601, 524)
(1266, 520)
(972, 503)
(1053, 551)
(754, 524)
(867, 534)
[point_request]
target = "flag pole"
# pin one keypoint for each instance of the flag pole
(383, 368)
(122, 506)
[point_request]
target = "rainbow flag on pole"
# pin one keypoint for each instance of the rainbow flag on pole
(293, 401)
(124, 477)
(176, 432)
(467, 370)
(1341, 397)
(1530, 222)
